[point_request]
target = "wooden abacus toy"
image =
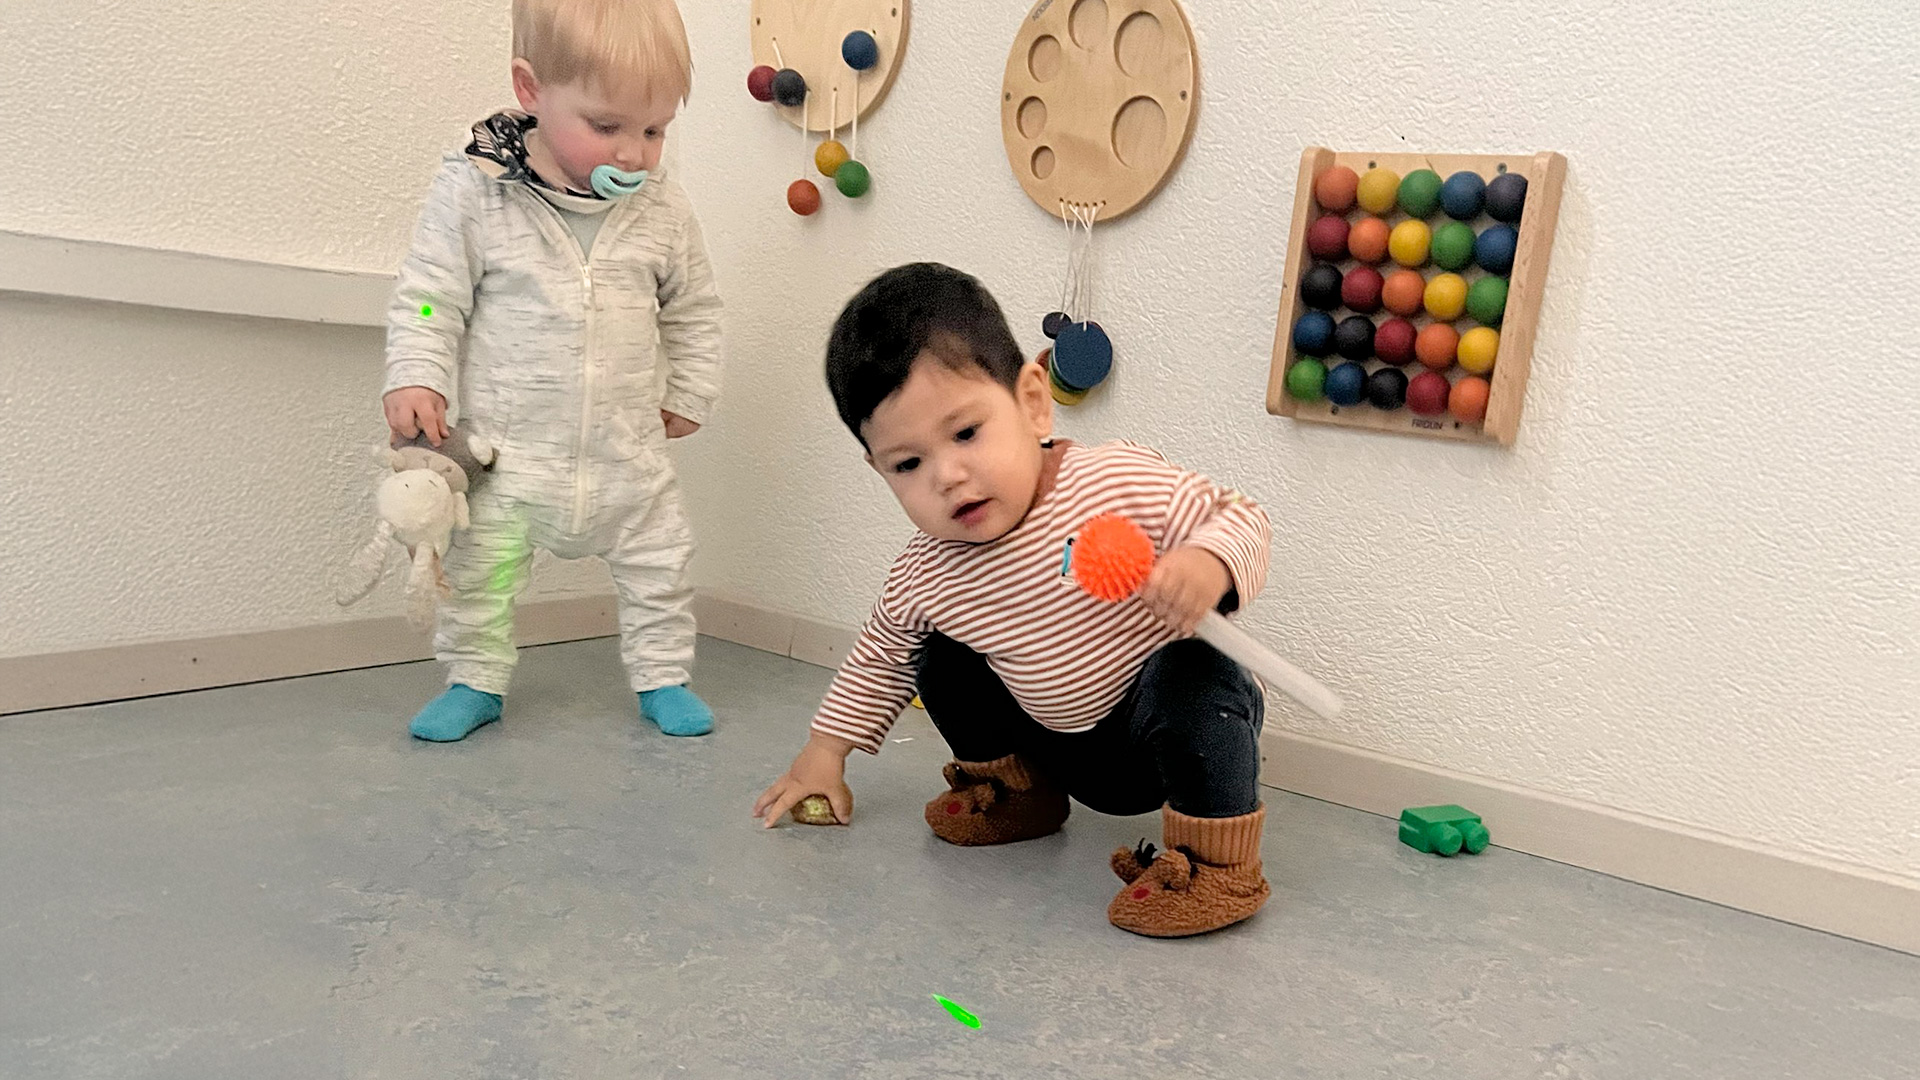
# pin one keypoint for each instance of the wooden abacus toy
(1096, 109)
(1423, 251)
(822, 63)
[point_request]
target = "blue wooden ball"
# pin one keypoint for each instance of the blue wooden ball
(1082, 355)
(789, 87)
(1494, 249)
(859, 50)
(1313, 334)
(1347, 384)
(1463, 195)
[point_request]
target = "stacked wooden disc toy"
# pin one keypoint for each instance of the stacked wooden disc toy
(1412, 289)
(823, 64)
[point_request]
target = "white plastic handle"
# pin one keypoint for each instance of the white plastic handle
(1241, 647)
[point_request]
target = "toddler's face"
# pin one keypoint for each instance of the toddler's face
(961, 453)
(584, 126)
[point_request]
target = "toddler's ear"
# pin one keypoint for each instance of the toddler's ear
(526, 86)
(1035, 398)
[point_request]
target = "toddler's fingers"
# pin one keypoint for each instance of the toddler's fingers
(768, 796)
(842, 803)
(781, 805)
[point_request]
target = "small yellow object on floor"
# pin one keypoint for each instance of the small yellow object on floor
(814, 810)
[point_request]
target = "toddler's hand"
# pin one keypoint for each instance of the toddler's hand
(414, 409)
(678, 427)
(1186, 583)
(819, 770)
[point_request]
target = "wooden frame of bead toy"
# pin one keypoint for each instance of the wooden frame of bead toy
(1361, 244)
(825, 63)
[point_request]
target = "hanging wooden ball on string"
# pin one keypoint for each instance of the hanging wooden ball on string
(1055, 322)
(859, 50)
(829, 156)
(803, 198)
(789, 87)
(852, 179)
(832, 153)
(760, 82)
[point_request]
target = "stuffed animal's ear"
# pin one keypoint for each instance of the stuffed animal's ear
(460, 518)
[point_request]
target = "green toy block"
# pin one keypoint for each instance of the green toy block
(1443, 830)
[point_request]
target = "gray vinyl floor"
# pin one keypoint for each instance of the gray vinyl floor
(275, 881)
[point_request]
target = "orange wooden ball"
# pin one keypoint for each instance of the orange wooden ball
(1468, 402)
(803, 198)
(1436, 345)
(1335, 188)
(1368, 240)
(1403, 292)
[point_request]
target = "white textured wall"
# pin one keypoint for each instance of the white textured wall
(1689, 591)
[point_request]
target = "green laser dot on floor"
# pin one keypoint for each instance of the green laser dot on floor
(426, 311)
(957, 1012)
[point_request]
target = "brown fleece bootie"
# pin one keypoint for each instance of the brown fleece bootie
(996, 802)
(1208, 877)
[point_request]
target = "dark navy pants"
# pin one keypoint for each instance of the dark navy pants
(1187, 734)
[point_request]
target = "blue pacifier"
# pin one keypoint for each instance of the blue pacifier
(612, 183)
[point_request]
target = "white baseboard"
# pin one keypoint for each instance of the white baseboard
(143, 669)
(1822, 894)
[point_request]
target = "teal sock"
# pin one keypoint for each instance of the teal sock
(678, 710)
(455, 713)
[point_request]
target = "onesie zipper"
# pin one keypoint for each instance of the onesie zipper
(586, 402)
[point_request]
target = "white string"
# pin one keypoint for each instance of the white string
(1076, 294)
(777, 58)
(1066, 280)
(833, 116)
(806, 152)
(854, 150)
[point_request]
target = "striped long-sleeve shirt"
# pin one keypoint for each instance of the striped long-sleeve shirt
(1067, 658)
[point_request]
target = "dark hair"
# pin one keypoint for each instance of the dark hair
(910, 310)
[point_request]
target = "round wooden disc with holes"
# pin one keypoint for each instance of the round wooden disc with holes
(809, 33)
(1098, 101)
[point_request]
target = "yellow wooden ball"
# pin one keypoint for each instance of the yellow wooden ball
(1446, 296)
(1409, 243)
(1478, 347)
(829, 156)
(1379, 190)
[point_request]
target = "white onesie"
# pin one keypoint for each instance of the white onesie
(556, 356)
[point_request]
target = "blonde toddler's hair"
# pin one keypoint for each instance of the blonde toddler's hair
(616, 45)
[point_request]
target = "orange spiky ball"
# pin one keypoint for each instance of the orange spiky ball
(1112, 558)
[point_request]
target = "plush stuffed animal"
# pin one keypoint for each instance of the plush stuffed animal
(419, 505)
